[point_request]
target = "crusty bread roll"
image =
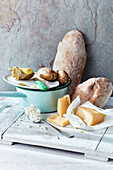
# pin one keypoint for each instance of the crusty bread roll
(71, 57)
(95, 90)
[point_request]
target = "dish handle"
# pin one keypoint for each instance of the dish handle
(12, 94)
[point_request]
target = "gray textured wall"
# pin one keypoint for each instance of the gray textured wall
(30, 31)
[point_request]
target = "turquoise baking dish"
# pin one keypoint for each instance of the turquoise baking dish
(46, 101)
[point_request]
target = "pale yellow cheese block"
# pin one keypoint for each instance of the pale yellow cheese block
(58, 120)
(63, 104)
(90, 117)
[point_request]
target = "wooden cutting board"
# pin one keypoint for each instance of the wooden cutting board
(15, 127)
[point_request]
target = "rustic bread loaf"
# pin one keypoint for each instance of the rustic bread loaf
(71, 57)
(95, 90)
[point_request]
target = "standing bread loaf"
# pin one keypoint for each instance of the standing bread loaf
(71, 57)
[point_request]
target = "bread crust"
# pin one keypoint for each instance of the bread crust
(71, 57)
(96, 90)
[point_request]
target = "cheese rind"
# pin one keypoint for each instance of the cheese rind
(90, 116)
(58, 120)
(63, 104)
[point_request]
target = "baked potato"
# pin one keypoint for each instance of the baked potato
(47, 74)
(63, 77)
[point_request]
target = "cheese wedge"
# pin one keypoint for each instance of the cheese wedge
(89, 116)
(58, 120)
(63, 104)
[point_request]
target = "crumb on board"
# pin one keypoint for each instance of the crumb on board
(44, 128)
(81, 131)
(29, 126)
(38, 125)
(58, 137)
(76, 127)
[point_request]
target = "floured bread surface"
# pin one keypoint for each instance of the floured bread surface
(71, 57)
(95, 90)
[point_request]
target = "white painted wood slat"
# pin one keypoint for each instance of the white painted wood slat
(24, 131)
(96, 144)
(8, 116)
(96, 157)
(105, 147)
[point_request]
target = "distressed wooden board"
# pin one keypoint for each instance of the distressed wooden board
(96, 157)
(2, 106)
(3, 142)
(10, 111)
(8, 116)
(105, 148)
(90, 143)
(24, 131)
(9, 101)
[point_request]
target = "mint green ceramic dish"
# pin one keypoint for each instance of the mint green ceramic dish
(46, 101)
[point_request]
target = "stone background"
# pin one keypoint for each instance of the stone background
(30, 31)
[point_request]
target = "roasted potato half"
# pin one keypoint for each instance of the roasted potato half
(21, 73)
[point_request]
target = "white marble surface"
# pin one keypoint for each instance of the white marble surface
(24, 157)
